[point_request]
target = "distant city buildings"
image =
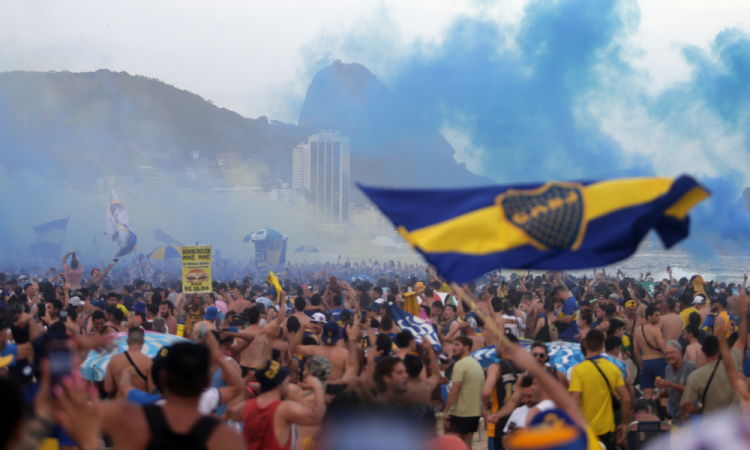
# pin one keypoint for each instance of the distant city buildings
(322, 166)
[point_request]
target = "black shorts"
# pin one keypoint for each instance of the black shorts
(246, 370)
(463, 425)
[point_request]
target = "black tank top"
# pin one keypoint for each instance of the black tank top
(505, 385)
(163, 438)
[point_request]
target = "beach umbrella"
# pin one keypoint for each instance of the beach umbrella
(166, 252)
(307, 249)
(563, 355)
(95, 366)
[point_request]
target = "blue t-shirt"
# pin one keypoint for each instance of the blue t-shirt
(570, 308)
(10, 349)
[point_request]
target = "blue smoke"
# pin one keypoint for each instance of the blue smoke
(523, 103)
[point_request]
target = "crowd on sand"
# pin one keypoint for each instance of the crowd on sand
(315, 356)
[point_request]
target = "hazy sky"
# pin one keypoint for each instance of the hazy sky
(248, 55)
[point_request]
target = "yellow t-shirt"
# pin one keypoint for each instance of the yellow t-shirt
(596, 399)
(685, 314)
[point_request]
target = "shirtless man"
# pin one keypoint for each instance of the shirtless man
(671, 323)
(693, 351)
(336, 355)
(209, 320)
(74, 272)
(252, 357)
(98, 276)
(132, 357)
(419, 389)
(240, 303)
(299, 312)
(700, 304)
(165, 312)
(648, 339)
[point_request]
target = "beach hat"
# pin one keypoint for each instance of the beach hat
(139, 307)
(212, 313)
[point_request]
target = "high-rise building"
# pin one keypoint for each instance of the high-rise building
(301, 167)
(322, 166)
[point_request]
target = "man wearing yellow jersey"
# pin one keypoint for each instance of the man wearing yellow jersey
(719, 317)
(687, 307)
(528, 437)
(592, 384)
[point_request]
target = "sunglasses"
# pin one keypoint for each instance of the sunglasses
(538, 355)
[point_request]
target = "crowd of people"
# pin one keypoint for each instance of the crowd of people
(315, 358)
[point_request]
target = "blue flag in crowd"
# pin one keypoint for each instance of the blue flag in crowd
(49, 239)
(416, 325)
(164, 237)
(466, 233)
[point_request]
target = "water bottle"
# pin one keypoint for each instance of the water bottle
(181, 330)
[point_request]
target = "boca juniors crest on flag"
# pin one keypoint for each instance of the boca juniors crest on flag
(466, 233)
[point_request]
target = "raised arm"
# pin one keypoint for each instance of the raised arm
(737, 381)
(352, 364)
(65, 258)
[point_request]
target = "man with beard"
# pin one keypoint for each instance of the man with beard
(463, 407)
(165, 312)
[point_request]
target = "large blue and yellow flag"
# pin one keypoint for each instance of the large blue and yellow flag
(49, 239)
(468, 232)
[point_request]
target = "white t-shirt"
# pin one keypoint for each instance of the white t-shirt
(514, 324)
(517, 417)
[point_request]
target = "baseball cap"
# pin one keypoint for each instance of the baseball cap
(101, 304)
(699, 299)
(318, 317)
(629, 303)
(720, 299)
(374, 307)
(508, 307)
(270, 375)
(75, 301)
(614, 297)
(139, 307)
(330, 333)
(212, 313)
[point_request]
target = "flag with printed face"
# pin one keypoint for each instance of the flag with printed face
(117, 224)
(49, 239)
(466, 233)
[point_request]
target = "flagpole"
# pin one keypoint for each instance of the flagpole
(137, 263)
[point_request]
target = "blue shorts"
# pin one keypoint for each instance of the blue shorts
(652, 368)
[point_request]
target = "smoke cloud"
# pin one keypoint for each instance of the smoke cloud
(556, 96)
